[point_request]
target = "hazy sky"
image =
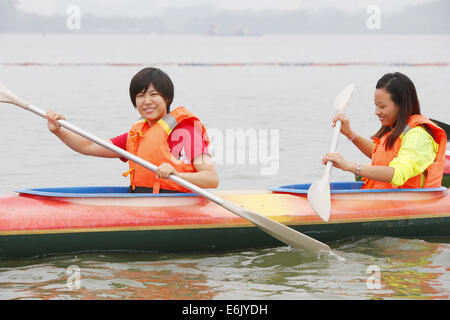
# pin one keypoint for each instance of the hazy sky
(141, 8)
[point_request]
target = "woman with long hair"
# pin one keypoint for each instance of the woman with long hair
(408, 151)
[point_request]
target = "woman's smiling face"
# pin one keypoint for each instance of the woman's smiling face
(386, 110)
(151, 104)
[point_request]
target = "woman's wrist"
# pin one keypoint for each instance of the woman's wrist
(56, 131)
(353, 167)
(352, 136)
(349, 166)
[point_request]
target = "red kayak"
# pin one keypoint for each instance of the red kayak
(37, 222)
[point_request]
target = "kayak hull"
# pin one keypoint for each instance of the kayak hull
(208, 239)
(38, 225)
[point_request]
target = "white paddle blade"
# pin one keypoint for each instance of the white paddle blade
(279, 231)
(319, 198)
(343, 97)
(5, 94)
(8, 97)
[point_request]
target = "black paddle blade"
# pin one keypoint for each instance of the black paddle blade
(444, 126)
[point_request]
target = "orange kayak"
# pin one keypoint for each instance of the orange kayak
(37, 222)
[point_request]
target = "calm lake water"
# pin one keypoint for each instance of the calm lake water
(275, 92)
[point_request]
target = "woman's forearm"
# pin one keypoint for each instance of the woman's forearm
(73, 141)
(206, 174)
(203, 179)
(378, 173)
(83, 145)
(363, 144)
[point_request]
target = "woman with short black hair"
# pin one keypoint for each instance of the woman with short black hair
(175, 141)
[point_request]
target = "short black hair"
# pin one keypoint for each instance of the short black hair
(158, 78)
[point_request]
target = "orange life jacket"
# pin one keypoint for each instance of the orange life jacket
(447, 164)
(382, 157)
(150, 144)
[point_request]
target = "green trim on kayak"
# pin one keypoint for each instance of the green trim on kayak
(208, 239)
(446, 180)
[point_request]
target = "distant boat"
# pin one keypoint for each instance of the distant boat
(244, 32)
(241, 32)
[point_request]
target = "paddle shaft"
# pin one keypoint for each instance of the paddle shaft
(333, 147)
(319, 192)
(279, 231)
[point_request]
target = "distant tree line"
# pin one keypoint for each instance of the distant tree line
(425, 18)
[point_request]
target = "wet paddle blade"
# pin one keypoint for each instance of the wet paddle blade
(319, 198)
(279, 231)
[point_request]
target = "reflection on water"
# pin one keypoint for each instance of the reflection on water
(409, 268)
(411, 272)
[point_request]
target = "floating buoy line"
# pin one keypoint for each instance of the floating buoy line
(225, 64)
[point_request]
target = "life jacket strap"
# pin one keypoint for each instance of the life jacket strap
(136, 133)
(156, 186)
(168, 123)
(131, 173)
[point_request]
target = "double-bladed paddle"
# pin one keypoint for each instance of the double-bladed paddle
(279, 231)
(319, 191)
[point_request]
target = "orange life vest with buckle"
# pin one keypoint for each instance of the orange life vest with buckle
(150, 144)
(382, 157)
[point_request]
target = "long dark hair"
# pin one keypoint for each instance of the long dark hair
(404, 95)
